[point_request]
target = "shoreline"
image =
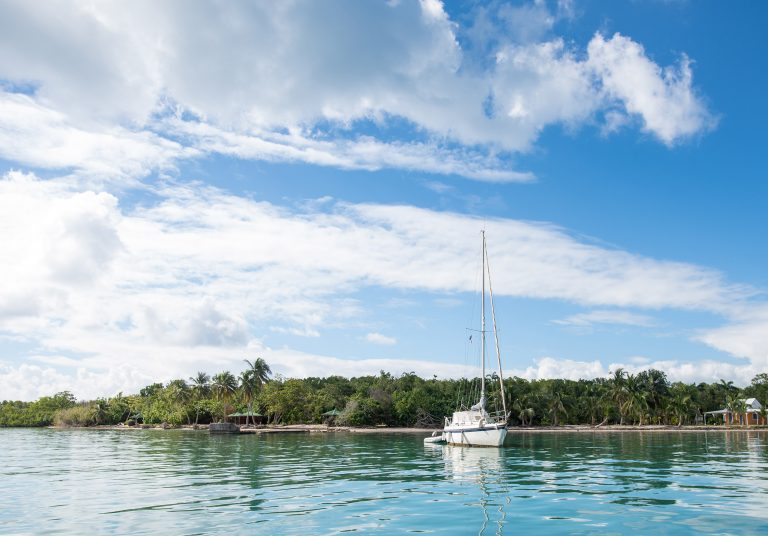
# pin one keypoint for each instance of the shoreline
(318, 428)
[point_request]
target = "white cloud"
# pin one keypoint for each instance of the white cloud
(603, 316)
(378, 338)
(363, 152)
(688, 372)
(39, 136)
(663, 98)
(548, 367)
(124, 88)
(196, 280)
(744, 337)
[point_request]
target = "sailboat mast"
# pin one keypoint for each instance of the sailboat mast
(482, 332)
(496, 337)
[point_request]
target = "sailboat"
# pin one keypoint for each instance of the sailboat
(477, 426)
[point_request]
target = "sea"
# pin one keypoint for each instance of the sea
(90, 482)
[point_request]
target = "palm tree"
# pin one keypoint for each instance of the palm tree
(526, 416)
(179, 393)
(260, 370)
(522, 405)
(680, 402)
(619, 391)
(655, 388)
(200, 387)
(224, 385)
(556, 404)
(251, 381)
(593, 399)
(735, 406)
(727, 386)
(636, 398)
(740, 408)
(100, 408)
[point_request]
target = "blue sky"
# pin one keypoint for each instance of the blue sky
(306, 182)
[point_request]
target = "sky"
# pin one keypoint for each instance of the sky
(187, 185)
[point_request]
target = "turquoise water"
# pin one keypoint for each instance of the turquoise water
(184, 482)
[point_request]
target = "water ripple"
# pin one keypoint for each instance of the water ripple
(185, 482)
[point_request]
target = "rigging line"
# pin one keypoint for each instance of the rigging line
(496, 334)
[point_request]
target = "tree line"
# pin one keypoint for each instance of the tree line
(646, 397)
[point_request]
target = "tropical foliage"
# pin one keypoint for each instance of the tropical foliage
(406, 400)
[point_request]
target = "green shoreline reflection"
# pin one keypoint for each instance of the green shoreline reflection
(182, 482)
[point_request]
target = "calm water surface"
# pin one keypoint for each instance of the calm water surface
(184, 482)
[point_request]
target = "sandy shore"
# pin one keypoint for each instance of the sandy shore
(515, 430)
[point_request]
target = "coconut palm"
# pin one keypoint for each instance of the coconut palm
(593, 399)
(618, 390)
(200, 387)
(260, 371)
(556, 404)
(522, 406)
(636, 398)
(251, 381)
(680, 402)
(655, 389)
(178, 390)
(740, 408)
(224, 385)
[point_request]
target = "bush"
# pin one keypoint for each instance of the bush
(80, 415)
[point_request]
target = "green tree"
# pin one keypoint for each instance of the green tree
(619, 392)
(680, 402)
(635, 400)
(224, 386)
(556, 402)
(251, 381)
(201, 389)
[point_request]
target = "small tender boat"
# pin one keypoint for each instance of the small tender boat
(476, 426)
(436, 437)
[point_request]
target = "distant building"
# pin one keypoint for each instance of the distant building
(753, 415)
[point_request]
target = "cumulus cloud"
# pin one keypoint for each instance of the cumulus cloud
(663, 98)
(123, 88)
(744, 337)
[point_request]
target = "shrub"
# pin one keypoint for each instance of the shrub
(80, 415)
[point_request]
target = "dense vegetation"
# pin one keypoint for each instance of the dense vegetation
(407, 400)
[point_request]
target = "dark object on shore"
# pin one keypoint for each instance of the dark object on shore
(244, 418)
(223, 428)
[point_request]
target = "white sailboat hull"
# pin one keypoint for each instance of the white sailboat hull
(489, 436)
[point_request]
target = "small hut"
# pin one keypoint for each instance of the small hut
(240, 418)
(329, 417)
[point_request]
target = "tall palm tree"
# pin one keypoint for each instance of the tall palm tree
(248, 389)
(618, 390)
(224, 385)
(593, 400)
(251, 381)
(636, 399)
(556, 404)
(735, 406)
(178, 390)
(680, 402)
(260, 370)
(200, 386)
